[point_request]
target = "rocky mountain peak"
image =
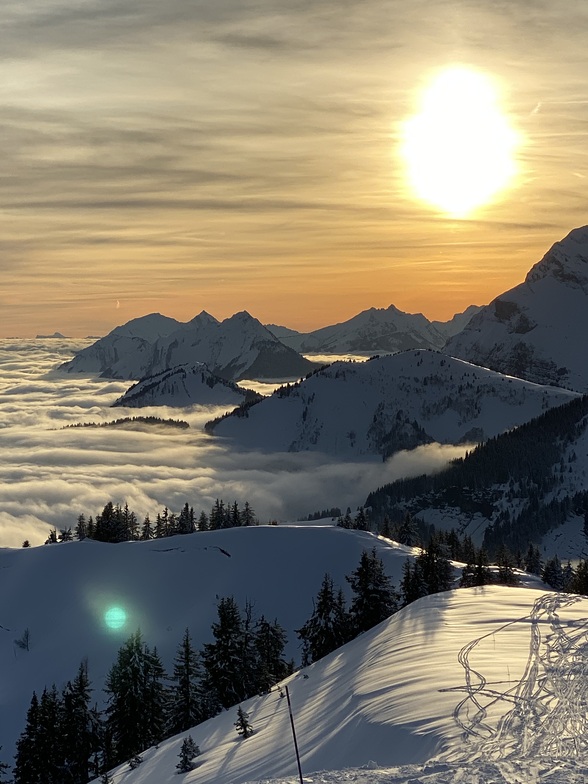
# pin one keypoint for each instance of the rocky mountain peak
(566, 261)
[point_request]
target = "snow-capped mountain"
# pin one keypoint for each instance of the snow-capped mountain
(458, 322)
(388, 404)
(374, 330)
(185, 385)
(238, 347)
(124, 351)
(538, 329)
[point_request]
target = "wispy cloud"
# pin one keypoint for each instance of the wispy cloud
(272, 129)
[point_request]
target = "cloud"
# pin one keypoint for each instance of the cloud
(51, 474)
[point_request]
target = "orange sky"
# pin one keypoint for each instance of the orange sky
(229, 155)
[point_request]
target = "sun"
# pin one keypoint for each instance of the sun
(459, 149)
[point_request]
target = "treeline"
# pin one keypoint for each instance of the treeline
(139, 420)
(68, 740)
(118, 523)
(523, 465)
(374, 598)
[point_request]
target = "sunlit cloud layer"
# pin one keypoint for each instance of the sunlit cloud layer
(228, 155)
(49, 475)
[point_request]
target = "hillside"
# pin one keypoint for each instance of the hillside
(184, 386)
(463, 673)
(525, 485)
(61, 593)
(537, 329)
(388, 404)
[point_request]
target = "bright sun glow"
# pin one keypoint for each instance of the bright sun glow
(460, 148)
(115, 618)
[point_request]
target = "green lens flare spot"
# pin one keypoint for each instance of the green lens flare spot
(115, 617)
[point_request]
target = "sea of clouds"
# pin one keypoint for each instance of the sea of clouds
(49, 474)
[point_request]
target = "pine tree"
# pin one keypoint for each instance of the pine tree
(146, 529)
(234, 516)
(81, 529)
(29, 766)
(532, 560)
(217, 515)
(248, 515)
(188, 704)
(79, 731)
(553, 573)
(269, 641)
(135, 696)
(156, 697)
(224, 658)
(374, 596)
(187, 753)
(203, 524)
(436, 566)
(49, 740)
(360, 522)
(186, 522)
(407, 532)
(242, 724)
(328, 626)
(413, 585)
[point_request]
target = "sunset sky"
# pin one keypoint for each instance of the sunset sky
(245, 154)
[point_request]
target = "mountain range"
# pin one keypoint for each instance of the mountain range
(238, 347)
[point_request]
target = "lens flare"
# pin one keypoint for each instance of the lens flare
(115, 618)
(459, 149)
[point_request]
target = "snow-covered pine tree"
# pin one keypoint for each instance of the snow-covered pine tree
(374, 596)
(188, 752)
(242, 724)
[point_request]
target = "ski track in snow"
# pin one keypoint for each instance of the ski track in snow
(548, 707)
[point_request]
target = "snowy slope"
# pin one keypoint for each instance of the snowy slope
(61, 592)
(132, 341)
(185, 385)
(538, 329)
(388, 404)
(488, 676)
(373, 330)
